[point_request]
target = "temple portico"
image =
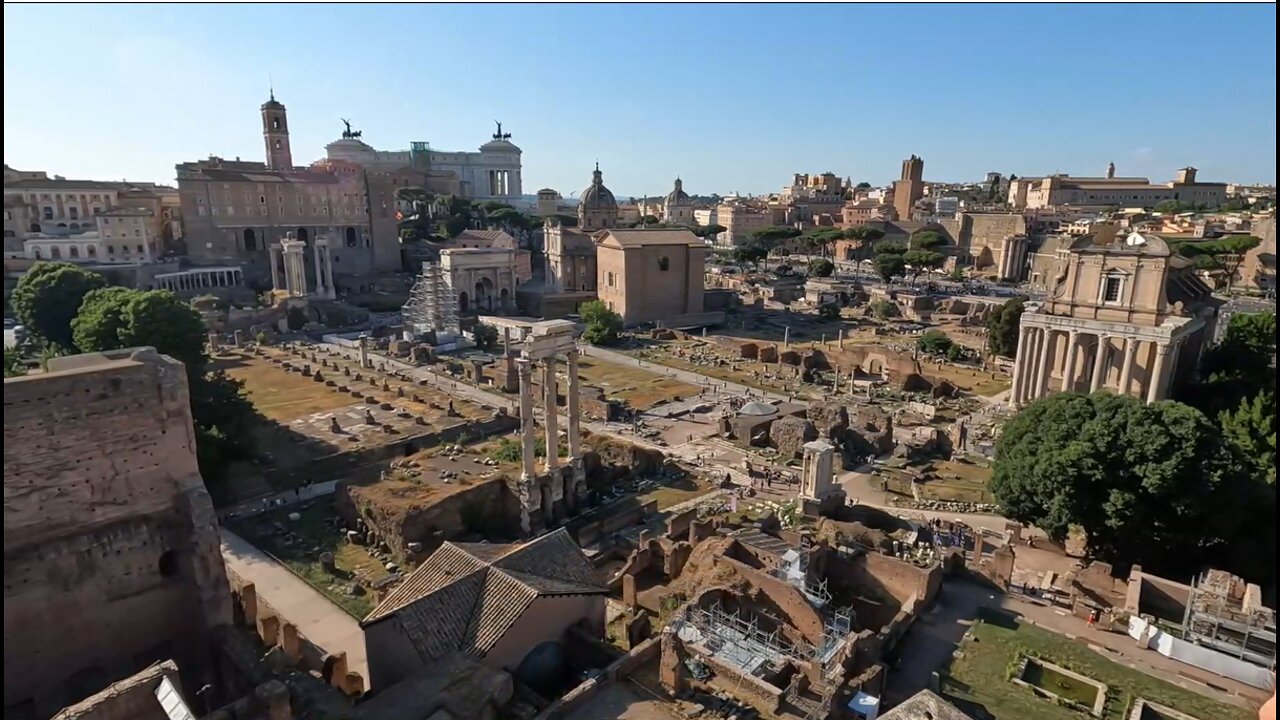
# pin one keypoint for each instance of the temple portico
(1065, 354)
(549, 497)
(289, 269)
(200, 279)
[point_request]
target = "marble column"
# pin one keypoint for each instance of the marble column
(318, 260)
(1101, 349)
(1155, 382)
(524, 367)
(1042, 367)
(575, 442)
(1126, 370)
(1069, 362)
(1019, 367)
(551, 413)
(275, 253)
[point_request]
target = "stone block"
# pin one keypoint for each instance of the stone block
(768, 353)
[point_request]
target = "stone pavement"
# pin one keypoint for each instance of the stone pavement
(316, 617)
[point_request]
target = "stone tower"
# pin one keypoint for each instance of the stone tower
(910, 188)
(275, 135)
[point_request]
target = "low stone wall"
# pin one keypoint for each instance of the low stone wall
(565, 705)
(252, 610)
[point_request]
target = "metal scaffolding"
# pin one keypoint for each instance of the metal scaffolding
(432, 306)
(1225, 614)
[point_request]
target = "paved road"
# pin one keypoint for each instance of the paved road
(690, 377)
(317, 618)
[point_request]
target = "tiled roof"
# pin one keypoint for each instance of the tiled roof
(641, 238)
(496, 238)
(925, 705)
(466, 596)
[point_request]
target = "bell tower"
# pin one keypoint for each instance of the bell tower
(275, 134)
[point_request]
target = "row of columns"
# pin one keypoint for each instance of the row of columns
(289, 271)
(200, 279)
(551, 422)
(1036, 356)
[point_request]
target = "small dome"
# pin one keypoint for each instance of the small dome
(597, 196)
(758, 409)
(677, 196)
(499, 145)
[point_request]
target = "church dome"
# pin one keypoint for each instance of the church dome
(597, 196)
(677, 196)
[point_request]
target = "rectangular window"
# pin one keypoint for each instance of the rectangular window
(111, 249)
(1111, 290)
(263, 212)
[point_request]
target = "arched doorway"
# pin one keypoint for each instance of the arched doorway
(55, 252)
(504, 300)
(303, 234)
(250, 239)
(351, 237)
(484, 294)
(35, 227)
(462, 301)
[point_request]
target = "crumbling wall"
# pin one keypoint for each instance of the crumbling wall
(789, 434)
(112, 556)
(404, 511)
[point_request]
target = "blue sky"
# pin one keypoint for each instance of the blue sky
(730, 97)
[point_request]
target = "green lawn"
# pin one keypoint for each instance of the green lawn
(978, 680)
(313, 534)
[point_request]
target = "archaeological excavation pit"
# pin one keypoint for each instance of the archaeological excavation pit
(1060, 684)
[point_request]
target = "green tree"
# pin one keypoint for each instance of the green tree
(13, 366)
(821, 267)
(889, 266)
(708, 231)
(865, 237)
(956, 352)
(1003, 327)
(1224, 254)
(749, 253)
(47, 298)
(934, 342)
(568, 220)
(829, 311)
(604, 326)
(1151, 484)
(926, 240)
(889, 247)
(1238, 368)
(862, 185)
(1251, 428)
(492, 206)
(486, 336)
(922, 260)
(883, 309)
(97, 325)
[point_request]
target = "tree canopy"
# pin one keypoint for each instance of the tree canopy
(926, 240)
(47, 298)
(934, 342)
(1226, 253)
(921, 260)
(1150, 484)
(889, 266)
(13, 363)
(486, 336)
(821, 267)
(1003, 327)
(706, 231)
(889, 247)
(119, 318)
(604, 326)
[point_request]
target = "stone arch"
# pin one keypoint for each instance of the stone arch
(75, 226)
(462, 301)
(484, 294)
(250, 239)
(350, 234)
(504, 299)
(34, 227)
(304, 234)
(874, 366)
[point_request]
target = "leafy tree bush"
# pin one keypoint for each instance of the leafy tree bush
(922, 260)
(47, 298)
(821, 267)
(1002, 327)
(889, 247)
(486, 336)
(934, 342)
(926, 240)
(604, 326)
(829, 311)
(1151, 484)
(956, 352)
(883, 309)
(13, 366)
(889, 266)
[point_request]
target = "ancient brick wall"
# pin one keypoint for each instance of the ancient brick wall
(112, 557)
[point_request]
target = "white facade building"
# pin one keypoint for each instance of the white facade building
(492, 173)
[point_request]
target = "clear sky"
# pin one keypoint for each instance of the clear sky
(730, 97)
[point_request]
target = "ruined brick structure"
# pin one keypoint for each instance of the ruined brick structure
(111, 548)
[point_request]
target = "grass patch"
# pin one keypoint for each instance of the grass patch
(280, 395)
(978, 679)
(301, 543)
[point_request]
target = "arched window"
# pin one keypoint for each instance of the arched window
(35, 227)
(250, 239)
(351, 237)
(73, 251)
(48, 213)
(277, 144)
(275, 125)
(75, 226)
(303, 234)
(37, 252)
(664, 263)
(73, 213)
(55, 252)
(92, 251)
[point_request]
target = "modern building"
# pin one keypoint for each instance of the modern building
(1123, 313)
(909, 188)
(500, 604)
(650, 275)
(1112, 191)
(739, 220)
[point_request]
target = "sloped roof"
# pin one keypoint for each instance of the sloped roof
(642, 238)
(925, 705)
(495, 238)
(466, 596)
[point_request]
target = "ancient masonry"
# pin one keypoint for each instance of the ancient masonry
(111, 546)
(432, 306)
(554, 494)
(289, 272)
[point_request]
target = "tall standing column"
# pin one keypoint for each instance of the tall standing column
(328, 270)
(524, 367)
(551, 413)
(1019, 367)
(1101, 350)
(1069, 362)
(1042, 367)
(1155, 382)
(275, 253)
(319, 263)
(575, 449)
(1126, 370)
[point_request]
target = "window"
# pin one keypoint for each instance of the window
(73, 251)
(609, 279)
(1111, 289)
(250, 239)
(73, 213)
(93, 251)
(275, 125)
(213, 210)
(95, 198)
(55, 252)
(137, 233)
(231, 210)
(111, 249)
(262, 199)
(262, 212)
(664, 263)
(277, 144)
(106, 221)
(37, 252)
(140, 248)
(48, 213)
